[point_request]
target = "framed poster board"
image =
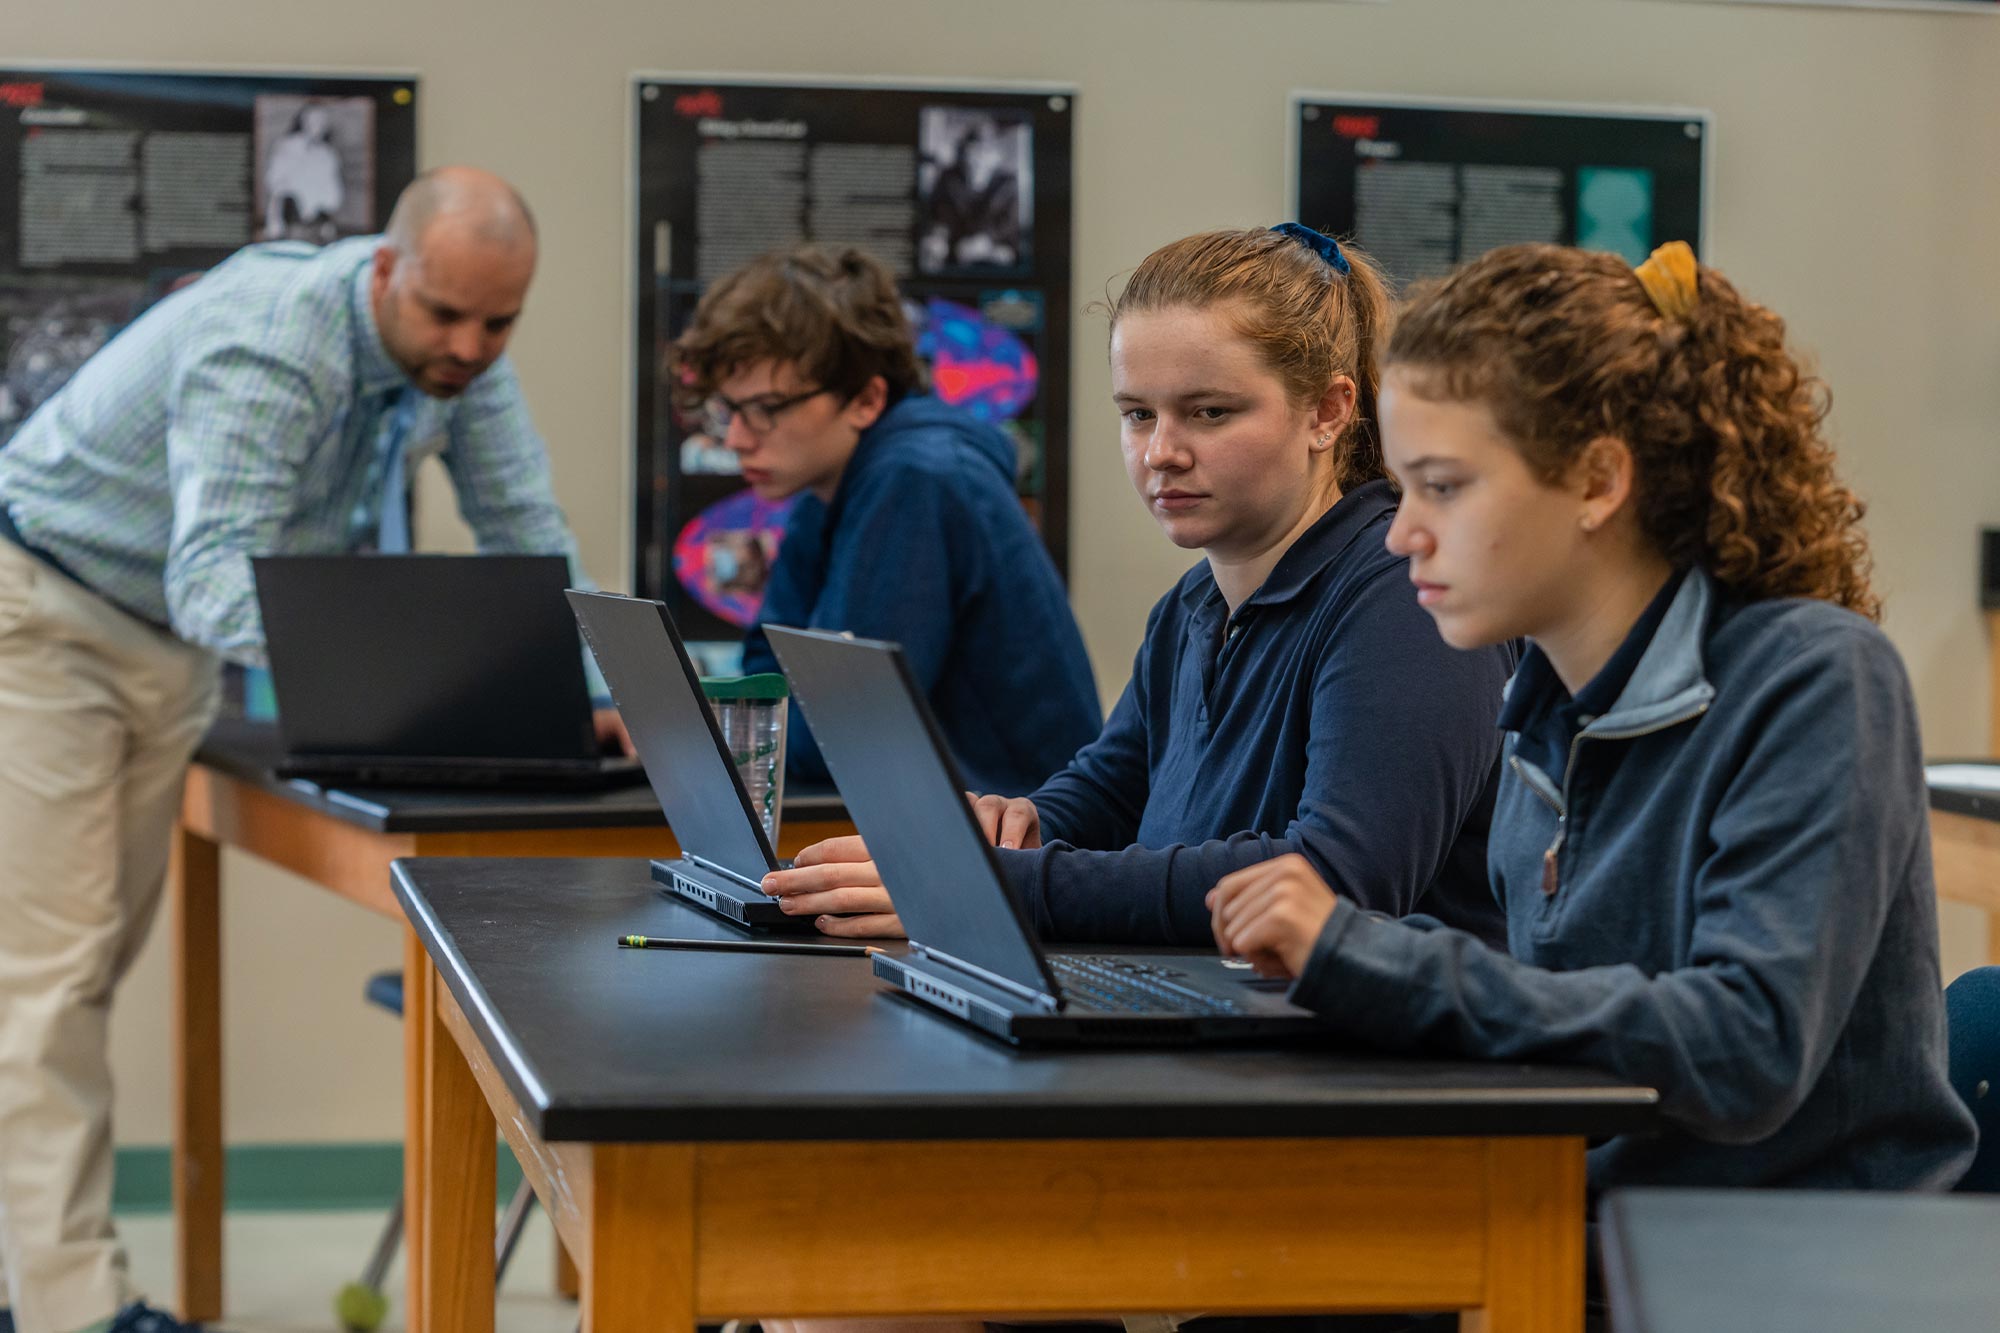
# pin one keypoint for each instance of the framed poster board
(1426, 185)
(963, 191)
(118, 186)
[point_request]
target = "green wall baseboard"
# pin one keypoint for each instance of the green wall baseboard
(286, 1178)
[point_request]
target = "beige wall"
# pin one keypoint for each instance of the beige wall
(1855, 191)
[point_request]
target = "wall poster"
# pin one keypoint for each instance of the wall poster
(1426, 185)
(119, 186)
(964, 192)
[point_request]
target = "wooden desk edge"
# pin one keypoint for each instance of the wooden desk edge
(220, 809)
(1965, 857)
(667, 1233)
(353, 861)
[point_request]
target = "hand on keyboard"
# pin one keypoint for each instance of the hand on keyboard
(1271, 914)
(1008, 821)
(835, 883)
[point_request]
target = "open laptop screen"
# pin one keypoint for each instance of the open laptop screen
(899, 783)
(659, 696)
(425, 655)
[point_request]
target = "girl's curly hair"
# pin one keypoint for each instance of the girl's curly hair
(1733, 471)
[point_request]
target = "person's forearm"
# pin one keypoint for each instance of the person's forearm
(1724, 1050)
(1076, 808)
(1138, 895)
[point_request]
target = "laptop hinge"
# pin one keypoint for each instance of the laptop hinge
(1040, 999)
(723, 871)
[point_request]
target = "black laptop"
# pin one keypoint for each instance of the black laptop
(430, 671)
(724, 851)
(972, 953)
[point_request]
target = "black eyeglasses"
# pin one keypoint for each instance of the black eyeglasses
(759, 414)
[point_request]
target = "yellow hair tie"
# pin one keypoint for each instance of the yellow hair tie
(1669, 279)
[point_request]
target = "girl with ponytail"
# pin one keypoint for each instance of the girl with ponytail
(1711, 839)
(1289, 696)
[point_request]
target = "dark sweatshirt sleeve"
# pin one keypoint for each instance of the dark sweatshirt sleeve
(1096, 800)
(1402, 743)
(893, 570)
(1813, 835)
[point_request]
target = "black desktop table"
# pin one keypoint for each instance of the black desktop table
(1800, 1261)
(729, 1135)
(247, 752)
(1972, 802)
(1965, 850)
(344, 842)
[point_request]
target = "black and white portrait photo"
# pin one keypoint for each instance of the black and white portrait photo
(975, 190)
(315, 167)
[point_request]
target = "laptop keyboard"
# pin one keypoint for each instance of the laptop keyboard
(1128, 985)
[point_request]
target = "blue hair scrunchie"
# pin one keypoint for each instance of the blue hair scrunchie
(1324, 246)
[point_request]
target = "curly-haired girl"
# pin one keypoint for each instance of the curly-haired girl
(1711, 838)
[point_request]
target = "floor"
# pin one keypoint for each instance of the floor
(284, 1269)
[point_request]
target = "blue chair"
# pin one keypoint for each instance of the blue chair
(1972, 1021)
(361, 1305)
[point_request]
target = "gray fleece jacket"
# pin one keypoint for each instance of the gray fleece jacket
(1738, 912)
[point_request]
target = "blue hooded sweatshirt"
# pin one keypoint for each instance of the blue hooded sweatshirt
(925, 543)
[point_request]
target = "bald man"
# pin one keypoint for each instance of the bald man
(275, 405)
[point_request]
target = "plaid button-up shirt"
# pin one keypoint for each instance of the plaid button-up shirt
(243, 416)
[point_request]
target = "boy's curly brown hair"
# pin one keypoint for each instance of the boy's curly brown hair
(1733, 471)
(834, 313)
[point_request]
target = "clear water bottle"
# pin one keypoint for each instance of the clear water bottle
(750, 711)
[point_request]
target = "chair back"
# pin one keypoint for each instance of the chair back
(1972, 1018)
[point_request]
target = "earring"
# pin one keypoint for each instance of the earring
(1324, 438)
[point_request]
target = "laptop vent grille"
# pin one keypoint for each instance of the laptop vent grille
(950, 1001)
(701, 893)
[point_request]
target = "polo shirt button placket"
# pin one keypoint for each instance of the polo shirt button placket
(1229, 636)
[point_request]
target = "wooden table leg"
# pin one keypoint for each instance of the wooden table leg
(195, 874)
(1534, 1239)
(569, 1282)
(417, 1017)
(638, 1276)
(455, 1260)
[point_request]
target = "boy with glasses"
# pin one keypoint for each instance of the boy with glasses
(907, 526)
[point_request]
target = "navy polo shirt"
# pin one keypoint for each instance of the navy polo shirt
(1325, 717)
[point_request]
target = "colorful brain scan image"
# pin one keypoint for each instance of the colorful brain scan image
(724, 554)
(975, 363)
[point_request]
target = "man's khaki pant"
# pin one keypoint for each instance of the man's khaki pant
(99, 715)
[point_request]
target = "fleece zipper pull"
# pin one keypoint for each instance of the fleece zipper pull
(1550, 878)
